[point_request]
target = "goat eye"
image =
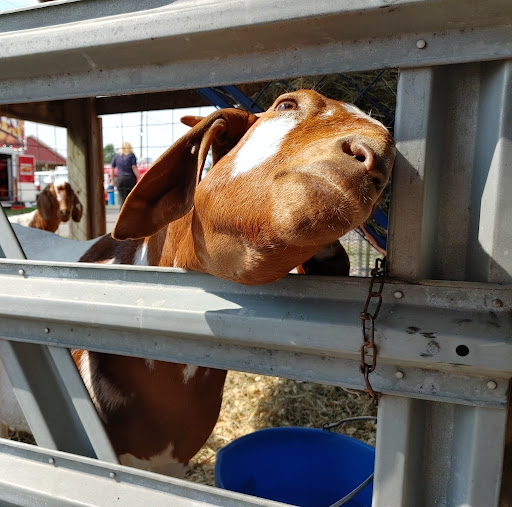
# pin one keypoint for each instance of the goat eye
(285, 105)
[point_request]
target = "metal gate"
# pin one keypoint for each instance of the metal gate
(444, 330)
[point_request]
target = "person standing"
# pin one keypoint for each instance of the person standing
(127, 171)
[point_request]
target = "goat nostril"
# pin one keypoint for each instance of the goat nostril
(361, 152)
(346, 147)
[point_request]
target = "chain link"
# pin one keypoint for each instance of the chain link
(378, 274)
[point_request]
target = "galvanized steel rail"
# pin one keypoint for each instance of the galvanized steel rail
(78, 49)
(297, 328)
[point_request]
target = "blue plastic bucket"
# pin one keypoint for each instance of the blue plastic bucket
(301, 466)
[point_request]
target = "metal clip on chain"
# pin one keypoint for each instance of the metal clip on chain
(378, 273)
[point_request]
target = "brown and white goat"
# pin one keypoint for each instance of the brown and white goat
(55, 204)
(283, 186)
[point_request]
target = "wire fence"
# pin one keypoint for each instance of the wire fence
(361, 253)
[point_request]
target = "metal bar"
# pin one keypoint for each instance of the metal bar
(242, 99)
(81, 402)
(58, 408)
(168, 46)
(213, 97)
(9, 244)
(32, 476)
(294, 327)
(453, 126)
(414, 465)
(452, 177)
(398, 479)
(488, 252)
(412, 179)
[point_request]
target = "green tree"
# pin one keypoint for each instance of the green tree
(108, 153)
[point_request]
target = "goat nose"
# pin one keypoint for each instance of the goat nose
(361, 151)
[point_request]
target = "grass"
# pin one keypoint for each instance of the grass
(12, 212)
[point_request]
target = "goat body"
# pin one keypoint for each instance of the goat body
(284, 185)
(55, 204)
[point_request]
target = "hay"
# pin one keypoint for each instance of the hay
(252, 402)
(21, 436)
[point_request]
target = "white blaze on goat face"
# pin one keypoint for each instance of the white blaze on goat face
(264, 142)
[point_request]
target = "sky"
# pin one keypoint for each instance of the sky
(149, 132)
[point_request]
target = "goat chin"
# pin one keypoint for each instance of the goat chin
(283, 186)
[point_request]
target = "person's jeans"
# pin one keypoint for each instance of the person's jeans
(124, 186)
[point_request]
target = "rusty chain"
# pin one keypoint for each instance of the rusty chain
(378, 273)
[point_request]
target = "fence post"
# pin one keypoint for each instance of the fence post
(452, 123)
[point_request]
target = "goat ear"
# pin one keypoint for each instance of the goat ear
(77, 210)
(46, 203)
(219, 148)
(191, 121)
(166, 191)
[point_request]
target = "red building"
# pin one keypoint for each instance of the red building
(46, 158)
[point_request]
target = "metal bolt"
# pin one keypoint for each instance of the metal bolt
(399, 374)
(51, 461)
(491, 384)
(46, 330)
(112, 475)
(497, 303)
(398, 294)
(21, 272)
(421, 44)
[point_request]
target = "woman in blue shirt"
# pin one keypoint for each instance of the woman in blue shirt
(127, 171)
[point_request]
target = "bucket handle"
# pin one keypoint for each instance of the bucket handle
(354, 492)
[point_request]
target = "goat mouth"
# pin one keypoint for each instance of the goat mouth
(333, 173)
